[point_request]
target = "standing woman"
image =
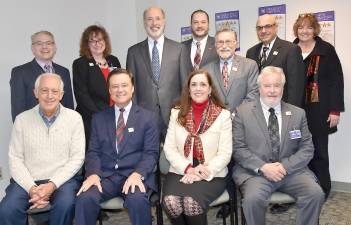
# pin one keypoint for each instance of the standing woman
(324, 92)
(90, 73)
(198, 147)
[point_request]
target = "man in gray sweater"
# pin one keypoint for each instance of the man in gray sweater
(46, 151)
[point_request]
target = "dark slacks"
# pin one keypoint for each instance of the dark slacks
(88, 203)
(15, 203)
(320, 162)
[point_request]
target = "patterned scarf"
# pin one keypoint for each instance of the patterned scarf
(209, 115)
(312, 80)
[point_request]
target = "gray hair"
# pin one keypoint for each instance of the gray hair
(32, 37)
(37, 81)
(226, 29)
(271, 70)
(156, 7)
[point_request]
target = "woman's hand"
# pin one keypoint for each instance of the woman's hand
(190, 178)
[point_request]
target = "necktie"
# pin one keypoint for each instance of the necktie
(47, 68)
(155, 62)
(273, 130)
(197, 58)
(120, 126)
(225, 75)
(263, 57)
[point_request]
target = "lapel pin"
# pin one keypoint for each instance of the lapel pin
(275, 53)
(130, 129)
(91, 64)
(235, 68)
(288, 113)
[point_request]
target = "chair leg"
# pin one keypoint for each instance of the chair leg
(243, 220)
(100, 218)
(232, 209)
(159, 215)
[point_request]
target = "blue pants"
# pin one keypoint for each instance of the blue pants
(15, 203)
(88, 203)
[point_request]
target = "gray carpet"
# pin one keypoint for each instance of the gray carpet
(336, 211)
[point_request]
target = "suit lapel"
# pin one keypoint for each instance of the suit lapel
(258, 112)
(234, 72)
(219, 78)
(146, 57)
(36, 67)
(257, 53)
(286, 115)
(208, 49)
(130, 126)
(274, 52)
(110, 121)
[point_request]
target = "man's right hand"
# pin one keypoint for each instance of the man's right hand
(90, 181)
(35, 198)
(273, 171)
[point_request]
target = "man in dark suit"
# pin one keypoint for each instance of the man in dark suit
(159, 68)
(24, 76)
(273, 51)
(121, 157)
(200, 50)
(272, 148)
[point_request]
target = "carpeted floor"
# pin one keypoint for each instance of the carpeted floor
(336, 211)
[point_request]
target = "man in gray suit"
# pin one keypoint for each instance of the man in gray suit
(234, 76)
(272, 148)
(200, 50)
(157, 66)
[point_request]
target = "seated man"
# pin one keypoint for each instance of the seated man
(46, 151)
(121, 156)
(272, 147)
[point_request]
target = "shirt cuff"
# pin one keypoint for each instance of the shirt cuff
(335, 113)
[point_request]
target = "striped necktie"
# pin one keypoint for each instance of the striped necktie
(225, 75)
(197, 58)
(120, 126)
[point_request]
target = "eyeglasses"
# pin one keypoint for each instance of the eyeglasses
(45, 91)
(266, 27)
(43, 43)
(227, 42)
(98, 41)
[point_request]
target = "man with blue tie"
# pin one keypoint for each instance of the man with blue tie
(122, 154)
(23, 76)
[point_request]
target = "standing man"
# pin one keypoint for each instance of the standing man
(122, 154)
(272, 148)
(158, 68)
(234, 76)
(273, 51)
(46, 151)
(24, 76)
(200, 50)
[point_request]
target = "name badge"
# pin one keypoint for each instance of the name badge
(235, 68)
(91, 64)
(130, 129)
(295, 134)
(275, 53)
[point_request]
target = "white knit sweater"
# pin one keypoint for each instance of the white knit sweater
(37, 152)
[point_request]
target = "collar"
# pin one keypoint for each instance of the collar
(160, 40)
(277, 108)
(49, 121)
(126, 109)
(270, 45)
(229, 61)
(42, 63)
(202, 41)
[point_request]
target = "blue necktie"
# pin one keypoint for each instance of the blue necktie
(156, 68)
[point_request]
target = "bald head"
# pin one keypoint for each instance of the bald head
(266, 28)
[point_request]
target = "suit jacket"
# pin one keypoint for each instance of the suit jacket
(90, 87)
(22, 85)
(287, 56)
(330, 88)
(242, 81)
(150, 94)
(138, 151)
(209, 55)
(252, 145)
(216, 142)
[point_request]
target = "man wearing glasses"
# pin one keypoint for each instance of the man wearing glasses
(273, 51)
(23, 76)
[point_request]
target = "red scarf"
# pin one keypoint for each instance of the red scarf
(209, 115)
(312, 80)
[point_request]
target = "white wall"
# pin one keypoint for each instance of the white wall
(178, 15)
(123, 19)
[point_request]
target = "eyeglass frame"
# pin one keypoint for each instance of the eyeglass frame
(266, 26)
(42, 43)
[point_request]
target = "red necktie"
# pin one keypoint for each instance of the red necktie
(225, 75)
(197, 58)
(120, 126)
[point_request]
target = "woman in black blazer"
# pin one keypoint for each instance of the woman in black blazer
(324, 99)
(90, 73)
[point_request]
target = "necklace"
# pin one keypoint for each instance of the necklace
(102, 64)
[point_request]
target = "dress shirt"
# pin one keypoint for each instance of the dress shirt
(42, 64)
(229, 65)
(159, 46)
(270, 45)
(49, 121)
(278, 113)
(194, 48)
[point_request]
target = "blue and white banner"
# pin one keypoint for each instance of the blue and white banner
(229, 20)
(327, 22)
(185, 34)
(279, 11)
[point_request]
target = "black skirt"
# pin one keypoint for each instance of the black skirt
(204, 192)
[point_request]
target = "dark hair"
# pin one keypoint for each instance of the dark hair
(84, 41)
(199, 11)
(311, 19)
(184, 103)
(118, 71)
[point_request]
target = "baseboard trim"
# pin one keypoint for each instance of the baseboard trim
(341, 186)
